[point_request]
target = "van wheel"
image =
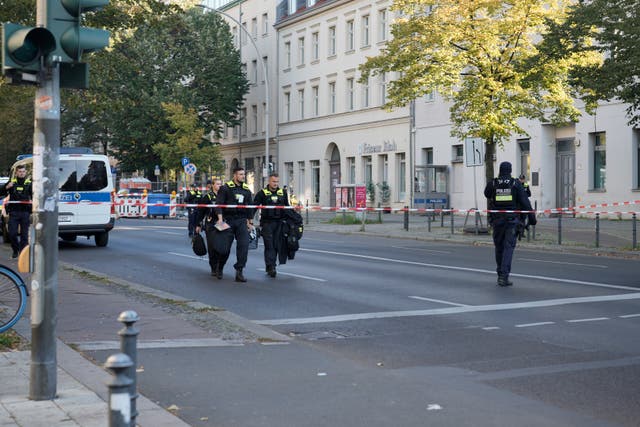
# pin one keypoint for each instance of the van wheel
(69, 237)
(102, 239)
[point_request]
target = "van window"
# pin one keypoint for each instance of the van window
(83, 175)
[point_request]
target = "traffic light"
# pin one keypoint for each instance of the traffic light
(23, 47)
(63, 20)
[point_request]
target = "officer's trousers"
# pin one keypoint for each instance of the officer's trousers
(269, 237)
(216, 261)
(19, 229)
(504, 239)
(192, 221)
(241, 234)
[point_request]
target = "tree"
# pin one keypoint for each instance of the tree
(479, 56)
(610, 28)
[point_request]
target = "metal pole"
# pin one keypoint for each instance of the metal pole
(406, 218)
(307, 213)
(128, 338)
(452, 221)
(560, 228)
(633, 225)
(119, 399)
(597, 230)
(44, 282)
(534, 227)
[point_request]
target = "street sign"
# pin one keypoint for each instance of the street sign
(190, 169)
(185, 161)
(156, 170)
(474, 151)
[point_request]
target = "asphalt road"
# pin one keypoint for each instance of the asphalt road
(405, 316)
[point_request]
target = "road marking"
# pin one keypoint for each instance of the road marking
(526, 325)
(296, 275)
(593, 319)
(421, 249)
(564, 263)
(471, 270)
(188, 256)
(438, 300)
(173, 233)
(490, 328)
(449, 310)
(178, 343)
(629, 316)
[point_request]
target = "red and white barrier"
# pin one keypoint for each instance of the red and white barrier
(173, 207)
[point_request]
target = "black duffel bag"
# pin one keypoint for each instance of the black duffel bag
(222, 241)
(198, 245)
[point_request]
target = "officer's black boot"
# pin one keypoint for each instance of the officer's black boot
(219, 272)
(271, 270)
(239, 276)
(504, 281)
(214, 271)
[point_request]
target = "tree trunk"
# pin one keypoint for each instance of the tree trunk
(489, 152)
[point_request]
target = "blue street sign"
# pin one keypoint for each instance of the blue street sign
(185, 161)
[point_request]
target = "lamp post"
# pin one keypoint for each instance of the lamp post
(266, 82)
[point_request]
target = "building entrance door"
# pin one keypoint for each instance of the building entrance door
(565, 174)
(334, 174)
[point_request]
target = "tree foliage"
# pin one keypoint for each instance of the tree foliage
(610, 28)
(479, 55)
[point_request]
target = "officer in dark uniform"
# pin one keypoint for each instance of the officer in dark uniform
(506, 193)
(271, 195)
(19, 190)
(525, 185)
(193, 196)
(206, 218)
(236, 192)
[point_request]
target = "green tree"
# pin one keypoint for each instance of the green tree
(479, 56)
(610, 28)
(185, 137)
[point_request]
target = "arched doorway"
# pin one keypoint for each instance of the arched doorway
(234, 164)
(334, 171)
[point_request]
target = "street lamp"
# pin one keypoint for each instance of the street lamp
(266, 80)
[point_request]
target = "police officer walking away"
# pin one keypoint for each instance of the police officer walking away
(206, 218)
(236, 192)
(506, 193)
(525, 185)
(193, 196)
(19, 190)
(271, 195)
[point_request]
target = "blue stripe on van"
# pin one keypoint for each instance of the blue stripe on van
(85, 196)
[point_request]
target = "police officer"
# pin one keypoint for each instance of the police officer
(20, 193)
(506, 193)
(193, 196)
(236, 192)
(525, 185)
(206, 218)
(271, 195)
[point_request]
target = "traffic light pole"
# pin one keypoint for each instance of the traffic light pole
(45, 177)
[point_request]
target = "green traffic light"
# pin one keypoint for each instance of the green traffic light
(22, 47)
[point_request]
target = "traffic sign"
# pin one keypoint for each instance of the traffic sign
(474, 151)
(185, 161)
(190, 169)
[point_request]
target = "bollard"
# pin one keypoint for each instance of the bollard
(534, 227)
(307, 213)
(344, 216)
(597, 230)
(633, 230)
(119, 398)
(379, 214)
(451, 221)
(429, 223)
(442, 218)
(128, 340)
(560, 228)
(406, 218)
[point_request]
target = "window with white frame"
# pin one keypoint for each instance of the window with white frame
(402, 176)
(525, 157)
(243, 122)
(315, 181)
(292, 6)
(383, 88)
(457, 153)
(287, 55)
(350, 42)
(365, 93)
(264, 121)
(243, 33)
(332, 41)
(301, 103)
(315, 100)
(383, 168)
(383, 26)
(287, 106)
(265, 64)
(365, 39)
(599, 147)
(367, 168)
(254, 119)
(351, 167)
(315, 46)
(254, 71)
(301, 181)
(265, 24)
(332, 97)
(300, 50)
(288, 177)
(350, 94)
(311, 3)
(254, 28)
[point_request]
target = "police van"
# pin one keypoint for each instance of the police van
(86, 192)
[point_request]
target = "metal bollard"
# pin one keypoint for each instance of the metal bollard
(429, 223)
(128, 345)
(406, 218)
(452, 221)
(119, 398)
(560, 228)
(441, 218)
(379, 214)
(307, 213)
(597, 230)
(633, 231)
(344, 217)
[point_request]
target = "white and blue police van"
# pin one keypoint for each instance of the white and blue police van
(85, 194)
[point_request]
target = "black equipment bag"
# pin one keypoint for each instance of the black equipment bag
(222, 241)
(198, 245)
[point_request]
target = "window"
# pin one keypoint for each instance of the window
(265, 24)
(457, 153)
(365, 93)
(599, 160)
(292, 6)
(350, 100)
(254, 28)
(287, 106)
(351, 166)
(288, 177)
(254, 71)
(311, 3)
(525, 158)
(383, 165)
(301, 182)
(315, 100)
(367, 169)
(315, 46)
(249, 164)
(402, 176)
(265, 65)
(301, 51)
(243, 33)
(234, 33)
(382, 25)
(428, 156)
(383, 88)
(301, 102)
(365, 31)
(254, 119)
(315, 180)
(264, 122)
(287, 55)
(243, 121)
(332, 97)
(350, 36)
(332, 41)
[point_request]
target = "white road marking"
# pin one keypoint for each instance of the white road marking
(296, 275)
(438, 300)
(526, 325)
(188, 256)
(629, 316)
(421, 249)
(169, 232)
(490, 328)
(177, 343)
(448, 310)
(593, 319)
(471, 270)
(564, 263)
